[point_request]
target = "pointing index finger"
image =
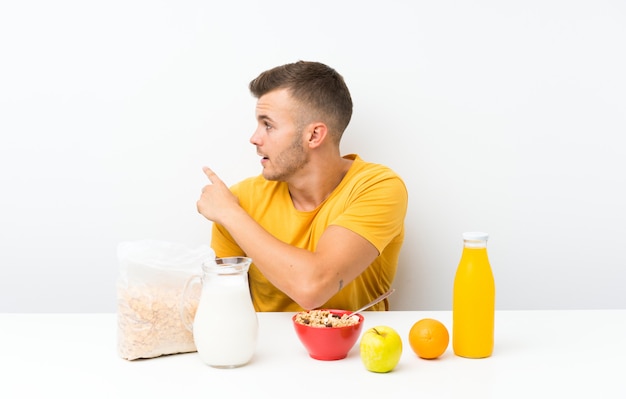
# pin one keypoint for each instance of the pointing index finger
(210, 174)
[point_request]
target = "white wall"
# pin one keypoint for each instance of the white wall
(506, 117)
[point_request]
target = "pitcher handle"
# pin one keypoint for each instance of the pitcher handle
(183, 300)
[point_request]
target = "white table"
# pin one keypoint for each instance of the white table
(552, 354)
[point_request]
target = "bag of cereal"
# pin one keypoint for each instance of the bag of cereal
(149, 297)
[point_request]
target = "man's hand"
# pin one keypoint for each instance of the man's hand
(216, 198)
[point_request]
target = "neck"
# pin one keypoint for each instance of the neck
(309, 192)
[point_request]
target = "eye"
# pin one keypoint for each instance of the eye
(267, 126)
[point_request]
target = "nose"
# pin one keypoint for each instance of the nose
(255, 138)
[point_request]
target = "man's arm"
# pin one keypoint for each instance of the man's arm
(309, 278)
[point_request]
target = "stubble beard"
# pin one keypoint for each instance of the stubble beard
(289, 161)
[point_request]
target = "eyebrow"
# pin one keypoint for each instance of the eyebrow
(264, 117)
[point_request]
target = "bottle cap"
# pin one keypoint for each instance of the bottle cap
(475, 236)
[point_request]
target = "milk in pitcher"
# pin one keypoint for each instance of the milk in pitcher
(225, 326)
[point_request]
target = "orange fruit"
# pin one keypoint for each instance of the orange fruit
(429, 338)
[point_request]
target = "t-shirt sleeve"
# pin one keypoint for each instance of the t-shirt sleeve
(222, 242)
(376, 209)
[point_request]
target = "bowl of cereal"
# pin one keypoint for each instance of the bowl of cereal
(328, 334)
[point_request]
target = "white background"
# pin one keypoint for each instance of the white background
(506, 117)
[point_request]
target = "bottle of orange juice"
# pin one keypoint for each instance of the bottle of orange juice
(473, 304)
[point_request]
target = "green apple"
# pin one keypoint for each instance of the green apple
(381, 348)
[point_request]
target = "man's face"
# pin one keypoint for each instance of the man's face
(278, 138)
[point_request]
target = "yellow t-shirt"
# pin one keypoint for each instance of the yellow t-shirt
(371, 200)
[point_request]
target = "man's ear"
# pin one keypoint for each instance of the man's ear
(317, 134)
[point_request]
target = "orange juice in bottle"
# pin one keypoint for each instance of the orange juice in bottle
(473, 304)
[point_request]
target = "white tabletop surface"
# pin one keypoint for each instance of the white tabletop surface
(537, 354)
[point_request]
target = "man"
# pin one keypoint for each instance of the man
(322, 229)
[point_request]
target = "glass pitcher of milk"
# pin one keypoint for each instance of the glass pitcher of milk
(225, 326)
